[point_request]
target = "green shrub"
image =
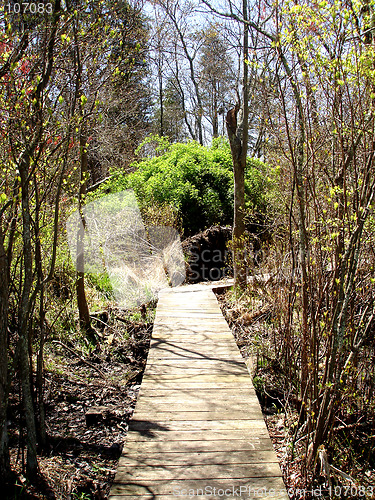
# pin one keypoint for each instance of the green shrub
(194, 180)
(102, 283)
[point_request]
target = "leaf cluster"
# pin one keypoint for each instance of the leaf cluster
(195, 180)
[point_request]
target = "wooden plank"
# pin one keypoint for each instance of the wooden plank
(198, 332)
(210, 364)
(188, 372)
(156, 382)
(266, 488)
(196, 458)
(209, 355)
(210, 371)
(170, 433)
(197, 387)
(181, 342)
(255, 443)
(183, 413)
(227, 406)
(227, 400)
(201, 422)
(200, 338)
(194, 404)
(148, 383)
(207, 324)
(188, 351)
(200, 471)
(221, 414)
(202, 362)
(199, 378)
(179, 495)
(182, 317)
(241, 394)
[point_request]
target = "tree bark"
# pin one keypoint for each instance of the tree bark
(161, 99)
(83, 309)
(24, 320)
(238, 139)
(215, 118)
(236, 146)
(4, 306)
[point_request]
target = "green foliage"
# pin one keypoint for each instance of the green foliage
(258, 383)
(196, 181)
(81, 496)
(102, 283)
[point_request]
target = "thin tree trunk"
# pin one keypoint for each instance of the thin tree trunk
(24, 318)
(161, 100)
(238, 139)
(42, 434)
(239, 266)
(215, 118)
(83, 309)
(4, 306)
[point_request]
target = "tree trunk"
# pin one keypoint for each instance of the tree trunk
(238, 249)
(24, 319)
(161, 100)
(215, 118)
(4, 305)
(42, 434)
(83, 308)
(238, 139)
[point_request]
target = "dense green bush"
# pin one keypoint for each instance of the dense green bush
(196, 181)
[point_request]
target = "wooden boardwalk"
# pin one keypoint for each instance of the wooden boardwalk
(197, 430)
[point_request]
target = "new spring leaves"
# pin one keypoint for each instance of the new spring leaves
(108, 235)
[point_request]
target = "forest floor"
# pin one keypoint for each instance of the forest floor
(91, 394)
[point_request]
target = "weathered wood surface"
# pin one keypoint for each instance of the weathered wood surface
(197, 430)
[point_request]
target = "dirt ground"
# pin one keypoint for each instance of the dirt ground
(90, 398)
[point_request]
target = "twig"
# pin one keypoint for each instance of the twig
(81, 358)
(103, 323)
(124, 320)
(336, 471)
(349, 426)
(97, 184)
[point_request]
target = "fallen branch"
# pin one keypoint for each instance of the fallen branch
(327, 469)
(103, 323)
(343, 474)
(81, 358)
(349, 426)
